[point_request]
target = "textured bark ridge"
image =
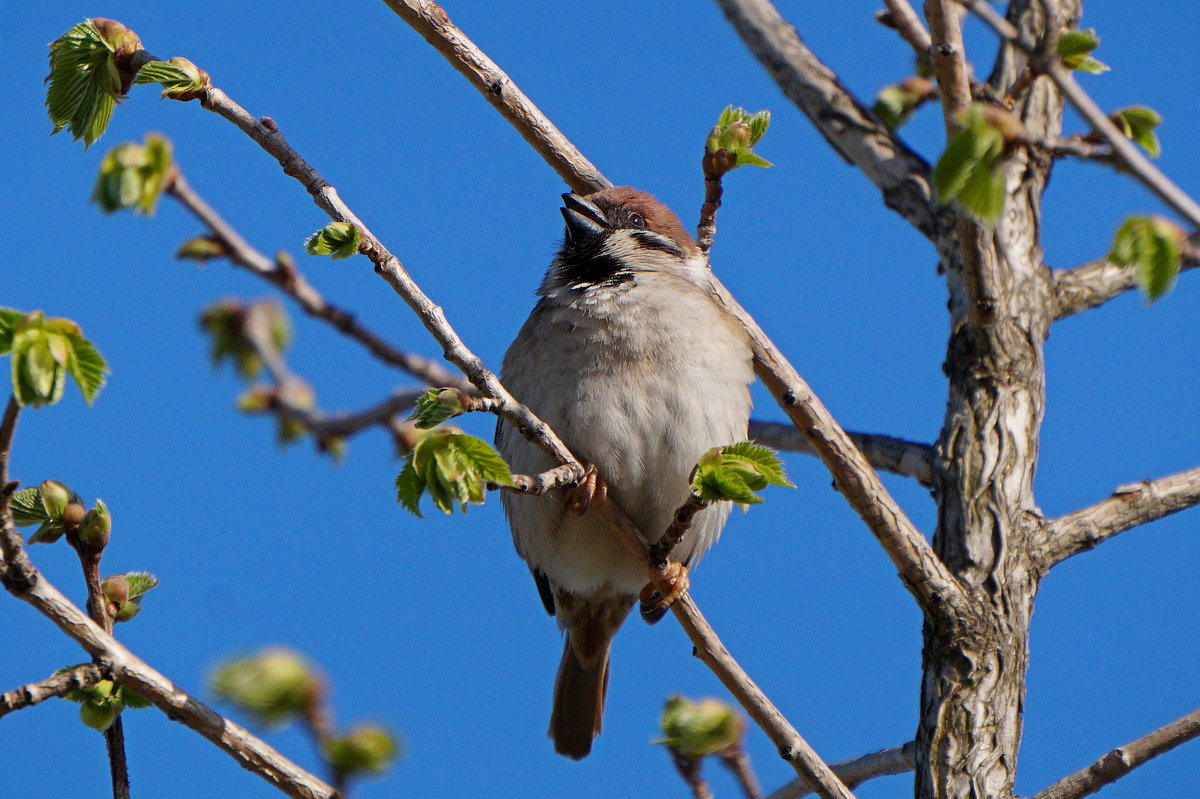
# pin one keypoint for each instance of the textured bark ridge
(1001, 304)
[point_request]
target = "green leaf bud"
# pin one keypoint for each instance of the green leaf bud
(696, 729)
(97, 526)
(366, 749)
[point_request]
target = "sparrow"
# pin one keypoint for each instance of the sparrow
(631, 362)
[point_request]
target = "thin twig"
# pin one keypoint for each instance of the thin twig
(1099, 281)
(706, 228)
(849, 126)
(898, 760)
(59, 685)
(895, 455)
(282, 273)
(431, 21)
(114, 734)
(1128, 507)
(1126, 153)
(1119, 762)
(690, 769)
(737, 760)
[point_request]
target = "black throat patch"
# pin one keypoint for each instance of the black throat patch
(585, 261)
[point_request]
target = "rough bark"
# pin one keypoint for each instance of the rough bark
(1001, 303)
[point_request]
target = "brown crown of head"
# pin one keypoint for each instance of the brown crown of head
(659, 218)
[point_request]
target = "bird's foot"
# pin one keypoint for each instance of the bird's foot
(591, 488)
(658, 597)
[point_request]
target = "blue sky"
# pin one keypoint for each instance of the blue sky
(434, 626)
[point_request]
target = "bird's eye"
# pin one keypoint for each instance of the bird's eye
(637, 220)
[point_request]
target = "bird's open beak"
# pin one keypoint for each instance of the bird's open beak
(583, 217)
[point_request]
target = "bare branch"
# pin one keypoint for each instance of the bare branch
(1128, 507)
(895, 455)
(902, 17)
(344, 425)
(429, 20)
(58, 685)
(939, 592)
(1099, 281)
(690, 769)
(737, 760)
(1128, 156)
(706, 228)
(848, 125)
(1119, 762)
(898, 760)
(282, 273)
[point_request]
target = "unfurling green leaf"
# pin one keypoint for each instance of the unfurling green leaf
(45, 351)
(1138, 122)
(735, 472)
(86, 77)
(337, 240)
(454, 468)
(735, 134)
(696, 729)
(27, 508)
(970, 170)
(895, 104)
(180, 78)
(140, 583)
(133, 175)
(1151, 244)
(273, 686)
(366, 749)
(1075, 47)
(435, 406)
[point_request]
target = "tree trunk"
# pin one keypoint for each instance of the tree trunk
(1001, 306)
